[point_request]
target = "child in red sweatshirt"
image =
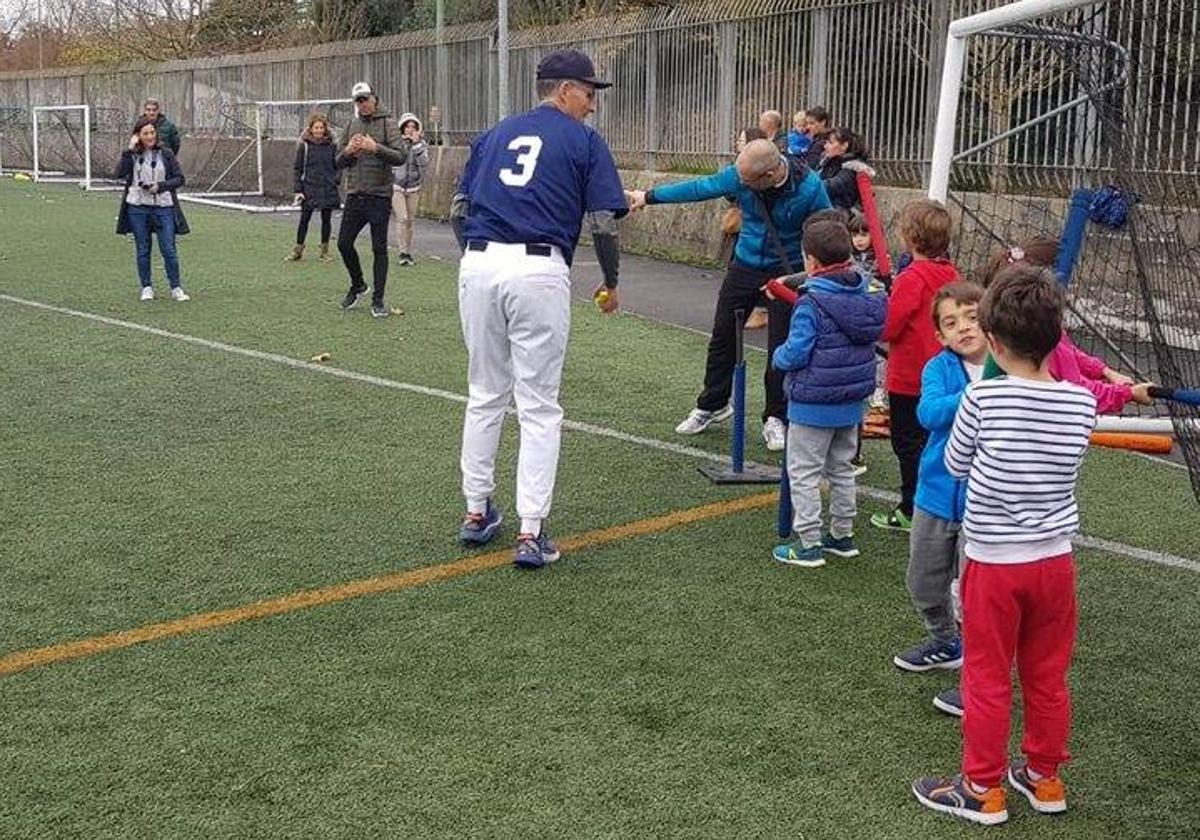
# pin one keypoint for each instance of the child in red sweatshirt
(925, 233)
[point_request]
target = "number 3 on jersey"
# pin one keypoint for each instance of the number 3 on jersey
(529, 147)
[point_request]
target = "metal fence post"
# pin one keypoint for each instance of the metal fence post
(818, 75)
(651, 103)
(726, 80)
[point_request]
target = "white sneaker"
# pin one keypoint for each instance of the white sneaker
(147, 293)
(179, 294)
(774, 434)
(699, 420)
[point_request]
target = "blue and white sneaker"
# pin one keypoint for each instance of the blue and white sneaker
(796, 553)
(841, 546)
(479, 528)
(931, 654)
(535, 552)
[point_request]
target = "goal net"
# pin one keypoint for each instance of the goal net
(1092, 137)
(66, 143)
(244, 160)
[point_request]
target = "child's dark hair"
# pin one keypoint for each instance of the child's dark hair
(925, 225)
(962, 292)
(827, 241)
(857, 223)
(830, 214)
(818, 113)
(1040, 251)
(753, 133)
(1022, 309)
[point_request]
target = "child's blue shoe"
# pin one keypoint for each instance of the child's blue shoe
(796, 553)
(841, 546)
(931, 653)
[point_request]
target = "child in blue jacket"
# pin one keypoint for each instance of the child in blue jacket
(934, 545)
(829, 358)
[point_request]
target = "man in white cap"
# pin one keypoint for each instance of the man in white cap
(370, 146)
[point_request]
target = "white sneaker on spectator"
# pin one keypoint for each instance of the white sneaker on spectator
(179, 294)
(147, 293)
(699, 420)
(774, 434)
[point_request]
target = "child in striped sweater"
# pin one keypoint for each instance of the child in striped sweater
(1019, 440)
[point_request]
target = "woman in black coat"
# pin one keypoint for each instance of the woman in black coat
(150, 205)
(315, 184)
(841, 146)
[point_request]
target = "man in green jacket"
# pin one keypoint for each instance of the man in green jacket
(370, 146)
(168, 133)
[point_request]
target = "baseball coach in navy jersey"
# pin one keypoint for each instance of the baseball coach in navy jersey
(529, 184)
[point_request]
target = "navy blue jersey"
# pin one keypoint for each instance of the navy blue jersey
(531, 177)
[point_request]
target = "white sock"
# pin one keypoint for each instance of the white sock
(477, 506)
(1033, 774)
(531, 526)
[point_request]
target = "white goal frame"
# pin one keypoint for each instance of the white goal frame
(59, 177)
(952, 76)
(227, 199)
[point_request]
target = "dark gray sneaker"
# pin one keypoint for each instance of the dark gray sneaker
(353, 298)
(949, 701)
(379, 310)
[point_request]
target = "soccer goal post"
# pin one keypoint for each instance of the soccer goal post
(952, 75)
(246, 163)
(67, 138)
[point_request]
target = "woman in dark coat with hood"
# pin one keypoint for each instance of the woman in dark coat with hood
(150, 204)
(315, 183)
(841, 146)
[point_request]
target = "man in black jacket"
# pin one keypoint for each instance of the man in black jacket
(370, 146)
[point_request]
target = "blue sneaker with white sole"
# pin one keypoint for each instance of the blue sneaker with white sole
(930, 654)
(535, 552)
(796, 553)
(841, 546)
(480, 528)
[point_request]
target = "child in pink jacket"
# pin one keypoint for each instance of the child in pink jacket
(1067, 363)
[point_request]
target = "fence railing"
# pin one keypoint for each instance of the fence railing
(689, 77)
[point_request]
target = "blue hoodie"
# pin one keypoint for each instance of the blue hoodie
(800, 195)
(943, 383)
(798, 142)
(830, 349)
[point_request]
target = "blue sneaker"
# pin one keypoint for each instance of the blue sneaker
(535, 552)
(930, 654)
(796, 553)
(479, 528)
(841, 546)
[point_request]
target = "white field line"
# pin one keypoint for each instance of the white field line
(886, 496)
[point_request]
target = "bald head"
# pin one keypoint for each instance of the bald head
(760, 166)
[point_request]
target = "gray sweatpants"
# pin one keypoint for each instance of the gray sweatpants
(811, 452)
(935, 550)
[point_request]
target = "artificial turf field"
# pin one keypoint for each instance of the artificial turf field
(665, 679)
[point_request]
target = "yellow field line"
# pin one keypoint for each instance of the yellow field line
(23, 660)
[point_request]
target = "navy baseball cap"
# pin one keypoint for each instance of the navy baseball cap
(570, 64)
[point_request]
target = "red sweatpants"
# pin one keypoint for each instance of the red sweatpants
(1026, 612)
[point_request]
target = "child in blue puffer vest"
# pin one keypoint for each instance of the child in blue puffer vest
(829, 359)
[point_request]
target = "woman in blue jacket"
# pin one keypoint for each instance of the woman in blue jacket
(150, 204)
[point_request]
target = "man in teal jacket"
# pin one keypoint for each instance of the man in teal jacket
(761, 181)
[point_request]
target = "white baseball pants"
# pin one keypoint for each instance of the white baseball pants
(516, 317)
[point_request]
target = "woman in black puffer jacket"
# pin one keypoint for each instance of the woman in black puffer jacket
(841, 184)
(315, 183)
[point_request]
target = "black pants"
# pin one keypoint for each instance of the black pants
(326, 224)
(908, 441)
(740, 291)
(362, 210)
